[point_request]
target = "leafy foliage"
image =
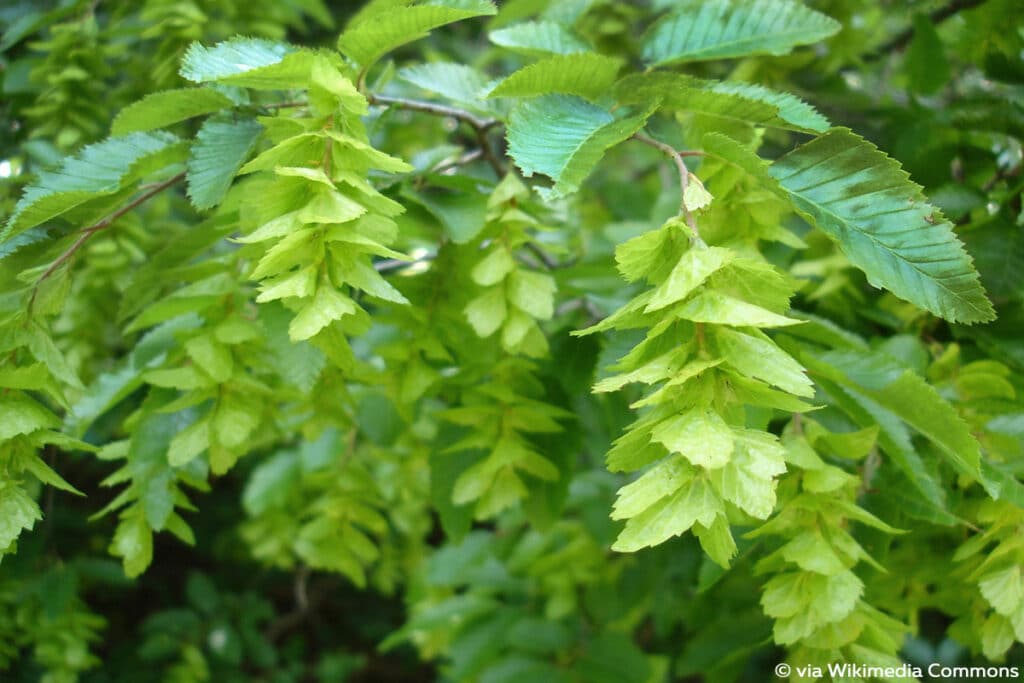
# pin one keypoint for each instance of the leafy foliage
(306, 378)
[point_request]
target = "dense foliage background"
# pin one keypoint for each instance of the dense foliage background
(332, 420)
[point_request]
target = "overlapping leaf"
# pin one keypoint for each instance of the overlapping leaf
(733, 100)
(913, 400)
(368, 41)
(715, 29)
(161, 109)
(564, 138)
(455, 82)
(249, 63)
(98, 170)
(221, 146)
(863, 199)
(539, 38)
(586, 74)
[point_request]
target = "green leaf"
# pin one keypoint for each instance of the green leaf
(745, 102)
(458, 205)
(697, 30)
(161, 109)
(915, 489)
(759, 357)
(487, 312)
(133, 542)
(664, 479)
(564, 137)
(44, 473)
(717, 541)
(650, 252)
(695, 502)
(18, 512)
(189, 443)
(248, 63)
(863, 199)
(326, 306)
(700, 435)
(532, 293)
(368, 41)
(299, 362)
(696, 197)
(586, 74)
(926, 64)
(22, 415)
(97, 171)
(720, 309)
(456, 82)
(493, 268)
(747, 480)
(220, 148)
(915, 401)
(1003, 588)
(539, 38)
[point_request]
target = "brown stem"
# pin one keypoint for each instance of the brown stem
(479, 125)
(488, 152)
(684, 178)
(105, 222)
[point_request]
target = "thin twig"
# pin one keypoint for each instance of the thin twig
(466, 158)
(473, 120)
(546, 260)
(901, 39)
(106, 222)
(684, 178)
(488, 152)
(479, 125)
(302, 588)
(388, 265)
(284, 105)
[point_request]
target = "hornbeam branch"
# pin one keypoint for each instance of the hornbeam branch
(684, 177)
(105, 222)
(480, 125)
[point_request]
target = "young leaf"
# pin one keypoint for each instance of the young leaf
(695, 502)
(716, 29)
(759, 357)
(701, 436)
(221, 146)
(863, 199)
(18, 512)
(564, 137)
(695, 266)
(133, 542)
